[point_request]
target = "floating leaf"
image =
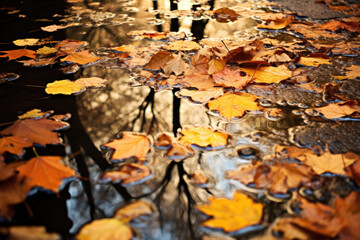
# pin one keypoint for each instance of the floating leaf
(46, 172)
(225, 15)
(46, 50)
(200, 81)
(36, 131)
(53, 28)
(26, 42)
(231, 78)
(233, 105)
(134, 210)
(18, 53)
(338, 110)
(81, 58)
(268, 74)
(201, 96)
(129, 173)
(91, 82)
(232, 214)
(179, 151)
(159, 60)
(175, 65)
(105, 229)
(216, 65)
(38, 62)
(130, 145)
(35, 113)
(313, 61)
(69, 46)
(65, 87)
(334, 25)
(203, 137)
(277, 23)
(13, 144)
(183, 46)
(351, 72)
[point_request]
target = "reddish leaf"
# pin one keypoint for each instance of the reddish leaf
(18, 53)
(225, 15)
(231, 78)
(13, 144)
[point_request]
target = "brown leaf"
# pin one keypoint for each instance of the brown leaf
(35, 113)
(179, 151)
(82, 58)
(203, 137)
(130, 145)
(231, 78)
(134, 210)
(129, 173)
(232, 214)
(38, 62)
(351, 72)
(200, 64)
(163, 141)
(246, 52)
(199, 179)
(225, 15)
(233, 105)
(69, 46)
(353, 171)
(18, 53)
(13, 144)
(334, 25)
(46, 172)
(175, 65)
(159, 60)
(36, 131)
(202, 82)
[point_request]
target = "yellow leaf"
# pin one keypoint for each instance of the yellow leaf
(313, 61)
(216, 65)
(35, 113)
(203, 137)
(232, 105)
(105, 229)
(232, 215)
(26, 42)
(201, 96)
(65, 87)
(268, 74)
(183, 46)
(46, 50)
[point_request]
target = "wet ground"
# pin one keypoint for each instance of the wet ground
(131, 102)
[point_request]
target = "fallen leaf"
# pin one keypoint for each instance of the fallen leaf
(313, 31)
(35, 113)
(65, 87)
(130, 145)
(202, 82)
(233, 105)
(246, 52)
(351, 72)
(200, 64)
(18, 53)
(203, 137)
(13, 144)
(81, 58)
(69, 46)
(353, 171)
(277, 23)
(46, 172)
(216, 65)
(105, 229)
(175, 65)
(36, 131)
(8, 170)
(268, 74)
(313, 61)
(28, 233)
(91, 82)
(225, 15)
(338, 110)
(199, 179)
(53, 28)
(183, 46)
(232, 214)
(26, 42)
(163, 141)
(159, 60)
(38, 62)
(46, 50)
(179, 151)
(134, 210)
(129, 173)
(231, 78)
(201, 96)
(334, 25)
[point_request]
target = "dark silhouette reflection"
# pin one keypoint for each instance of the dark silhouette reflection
(198, 26)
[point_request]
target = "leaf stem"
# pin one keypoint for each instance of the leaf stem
(35, 152)
(35, 86)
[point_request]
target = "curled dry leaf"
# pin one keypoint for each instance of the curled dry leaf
(130, 145)
(46, 172)
(203, 137)
(134, 210)
(179, 151)
(232, 214)
(65, 87)
(91, 82)
(105, 229)
(18, 53)
(163, 141)
(233, 105)
(129, 173)
(199, 179)
(82, 58)
(231, 78)
(200, 64)
(36, 131)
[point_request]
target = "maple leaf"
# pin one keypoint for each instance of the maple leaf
(233, 105)
(91, 82)
(175, 65)
(159, 60)
(202, 82)
(35, 113)
(105, 229)
(18, 53)
(231, 78)
(36, 131)
(26, 42)
(338, 110)
(268, 74)
(313, 61)
(46, 172)
(232, 214)
(277, 23)
(8, 170)
(13, 144)
(129, 173)
(203, 137)
(130, 145)
(13, 191)
(65, 87)
(134, 210)
(69, 46)
(183, 46)
(82, 58)
(216, 65)
(313, 31)
(225, 15)
(201, 96)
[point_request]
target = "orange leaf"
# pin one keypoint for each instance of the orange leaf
(175, 65)
(183, 46)
(134, 210)
(81, 58)
(338, 110)
(200, 64)
(69, 46)
(231, 78)
(130, 145)
(216, 65)
(203, 137)
(179, 151)
(159, 60)
(268, 74)
(200, 81)
(105, 229)
(351, 72)
(129, 173)
(313, 61)
(232, 105)
(232, 214)
(36, 131)
(46, 172)
(18, 53)
(13, 144)
(201, 96)
(334, 25)
(277, 23)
